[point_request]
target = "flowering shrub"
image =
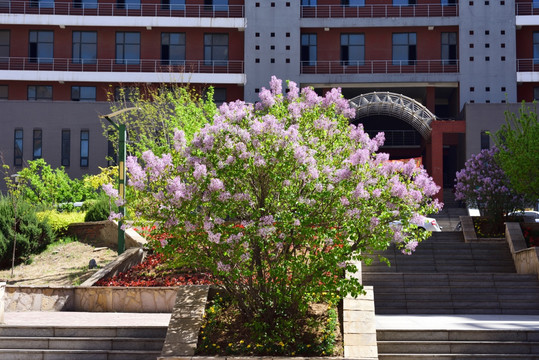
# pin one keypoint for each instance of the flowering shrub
(275, 199)
(531, 234)
(483, 184)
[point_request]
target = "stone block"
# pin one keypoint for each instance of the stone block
(361, 352)
(2, 291)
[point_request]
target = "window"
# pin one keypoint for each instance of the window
(84, 47)
(353, 49)
(404, 49)
(353, 2)
(3, 92)
(219, 95)
(536, 47)
(172, 48)
(37, 144)
(40, 46)
(66, 147)
(85, 4)
(535, 4)
(449, 48)
(39, 92)
(126, 93)
(449, 2)
(173, 4)
(84, 147)
(216, 5)
(215, 49)
(42, 3)
(308, 49)
(83, 93)
(128, 4)
(403, 2)
(485, 140)
(308, 2)
(128, 48)
(17, 148)
(536, 93)
(4, 45)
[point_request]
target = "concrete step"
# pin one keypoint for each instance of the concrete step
(81, 343)
(459, 347)
(456, 344)
(14, 354)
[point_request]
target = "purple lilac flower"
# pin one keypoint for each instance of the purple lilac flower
(223, 267)
(293, 91)
(110, 190)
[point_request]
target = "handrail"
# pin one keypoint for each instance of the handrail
(125, 9)
(380, 67)
(527, 65)
(379, 11)
(129, 65)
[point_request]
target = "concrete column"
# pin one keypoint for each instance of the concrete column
(431, 99)
(2, 290)
(437, 158)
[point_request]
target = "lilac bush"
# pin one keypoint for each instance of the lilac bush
(276, 199)
(484, 185)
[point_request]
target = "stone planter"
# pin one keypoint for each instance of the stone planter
(526, 259)
(2, 289)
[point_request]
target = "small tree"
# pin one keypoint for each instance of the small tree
(483, 184)
(276, 199)
(160, 111)
(518, 142)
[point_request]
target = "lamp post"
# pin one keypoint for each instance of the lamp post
(121, 171)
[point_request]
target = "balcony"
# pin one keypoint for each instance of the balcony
(399, 138)
(379, 11)
(380, 67)
(523, 9)
(111, 9)
(111, 65)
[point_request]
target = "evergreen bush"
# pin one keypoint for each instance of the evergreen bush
(32, 235)
(100, 210)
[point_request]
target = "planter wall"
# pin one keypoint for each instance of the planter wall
(2, 290)
(526, 259)
(104, 233)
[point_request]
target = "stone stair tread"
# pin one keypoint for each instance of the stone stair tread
(38, 354)
(419, 356)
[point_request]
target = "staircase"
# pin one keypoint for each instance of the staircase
(81, 343)
(448, 276)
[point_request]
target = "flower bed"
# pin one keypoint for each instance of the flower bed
(151, 272)
(531, 234)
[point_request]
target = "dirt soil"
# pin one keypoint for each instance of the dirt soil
(62, 264)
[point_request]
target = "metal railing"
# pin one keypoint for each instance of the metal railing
(528, 65)
(121, 9)
(399, 137)
(380, 67)
(129, 65)
(526, 9)
(379, 11)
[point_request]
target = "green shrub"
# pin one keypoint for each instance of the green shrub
(32, 234)
(100, 210)
(59, 221)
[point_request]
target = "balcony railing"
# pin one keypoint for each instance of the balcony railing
(112, 65)
(398, 138)
(112, 9)
(526, 9)
(379, 11)
(527, 65)
(380, 67)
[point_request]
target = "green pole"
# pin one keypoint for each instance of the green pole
(121, 186)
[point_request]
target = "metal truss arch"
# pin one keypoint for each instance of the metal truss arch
(395, 105)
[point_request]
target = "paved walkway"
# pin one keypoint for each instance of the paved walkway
(83, 319)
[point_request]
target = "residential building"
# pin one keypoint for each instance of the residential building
(413, 68)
